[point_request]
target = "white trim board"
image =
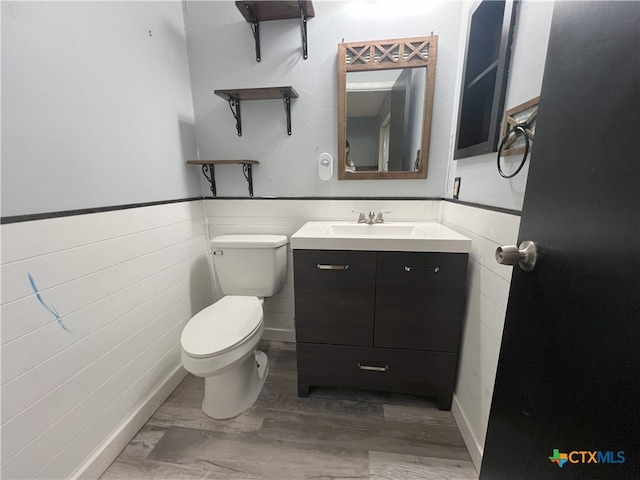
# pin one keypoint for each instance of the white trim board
(100, 459)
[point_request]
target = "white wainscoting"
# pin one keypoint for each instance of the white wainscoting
(284, 217)
(76, 389)
(488, 292)
(124, 284)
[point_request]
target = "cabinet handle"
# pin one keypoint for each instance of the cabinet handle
(426, 269)
(373, 368)
(333, 267)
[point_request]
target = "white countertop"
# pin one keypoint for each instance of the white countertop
(389, 236)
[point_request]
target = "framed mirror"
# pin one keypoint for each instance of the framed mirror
(385, 101)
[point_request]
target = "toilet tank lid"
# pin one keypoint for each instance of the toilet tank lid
(221, 326)
(248, 241)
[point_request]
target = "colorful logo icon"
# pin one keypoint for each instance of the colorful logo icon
(587, 456)
(559, 458)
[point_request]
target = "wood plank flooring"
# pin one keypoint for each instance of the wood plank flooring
(331, 434)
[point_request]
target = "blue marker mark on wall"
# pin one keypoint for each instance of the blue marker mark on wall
(51, 309)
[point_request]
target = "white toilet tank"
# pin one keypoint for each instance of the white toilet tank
(250, 264)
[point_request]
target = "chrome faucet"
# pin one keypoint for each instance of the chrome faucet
(372, 218)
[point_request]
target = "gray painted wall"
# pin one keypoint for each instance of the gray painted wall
(418, 79)
(481, 182)
(221, 56)
(96, 111)
(363, 141)
(96, 105)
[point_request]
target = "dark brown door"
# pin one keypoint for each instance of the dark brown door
(399, 123)
(566, 402)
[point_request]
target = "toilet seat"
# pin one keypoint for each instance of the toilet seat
(222, 326)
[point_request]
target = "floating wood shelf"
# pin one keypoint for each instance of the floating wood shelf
(209, 172)
(258, 11)
(234, 96)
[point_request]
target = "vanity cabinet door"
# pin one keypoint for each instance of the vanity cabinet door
(420, 300)
(334, 296)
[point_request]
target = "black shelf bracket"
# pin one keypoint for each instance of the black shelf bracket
(303, 17)
(246, 170)
(257, 11)
(209, 174)
(287, 108)
(234, 105)
(234, 96)
(255, 29)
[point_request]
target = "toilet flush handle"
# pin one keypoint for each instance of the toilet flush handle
(218, 252)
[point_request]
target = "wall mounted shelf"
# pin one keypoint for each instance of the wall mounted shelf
(258, 11)
(209, 172)
(266, 93)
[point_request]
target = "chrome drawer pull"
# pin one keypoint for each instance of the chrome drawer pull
(372, 368)
(427, 269)
(333, 267)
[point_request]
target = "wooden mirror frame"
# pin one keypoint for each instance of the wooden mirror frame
(415, 52)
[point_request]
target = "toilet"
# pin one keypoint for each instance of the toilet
(219, 343)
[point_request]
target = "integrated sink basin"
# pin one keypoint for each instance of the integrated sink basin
(391, 236)
(377, 230)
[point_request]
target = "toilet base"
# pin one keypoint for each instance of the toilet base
(234, 391)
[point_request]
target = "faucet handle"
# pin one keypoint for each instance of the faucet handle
(361, 217)
(380, 218)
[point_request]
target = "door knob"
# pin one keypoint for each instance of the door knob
(526, 255)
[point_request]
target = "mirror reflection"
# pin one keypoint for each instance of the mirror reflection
(384, 119)
(385, 99)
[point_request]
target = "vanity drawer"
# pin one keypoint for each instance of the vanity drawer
(406, 371)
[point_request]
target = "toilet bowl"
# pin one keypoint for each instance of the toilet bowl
(219, 343)
(224, 353)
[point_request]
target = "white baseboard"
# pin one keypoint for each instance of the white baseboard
(279, 334)
(96, 464)
(470, 440)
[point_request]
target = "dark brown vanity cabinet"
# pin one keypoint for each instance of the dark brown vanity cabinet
(379, 320)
